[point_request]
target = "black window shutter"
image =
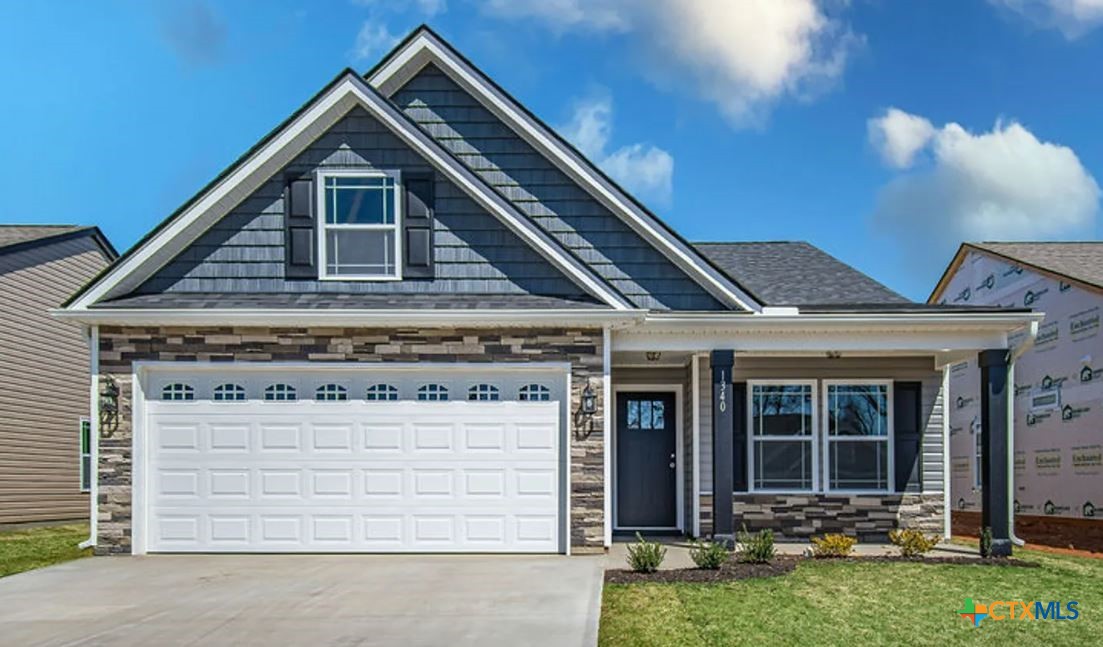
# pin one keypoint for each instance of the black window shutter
(300, 230)
(908, 435)
(417, 226)
(739, 437)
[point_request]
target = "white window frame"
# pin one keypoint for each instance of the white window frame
(85, 473)
(475, 392)
(323, 226)
(432, 392)
(235, 390)
(381, 392)
(826, 440)
(811, 439)
(526, 393)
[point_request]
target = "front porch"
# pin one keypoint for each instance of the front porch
(803, 434)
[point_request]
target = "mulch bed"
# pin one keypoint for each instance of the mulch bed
(783, 564)
(730, 571)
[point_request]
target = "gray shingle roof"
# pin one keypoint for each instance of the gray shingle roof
(339, 301)
(797, 274)
(1082, 261)
(13, 234)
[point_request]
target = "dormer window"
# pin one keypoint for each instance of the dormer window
(359, 237)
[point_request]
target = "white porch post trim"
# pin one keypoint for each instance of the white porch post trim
(946, 498)
(695, 385)
(607, 431)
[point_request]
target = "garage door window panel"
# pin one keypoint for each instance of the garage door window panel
(484, 393)
(432, 393)
(178, 392)
(229, 393)
(534, 393)
(331, 393)
(381, 393)
(280, 393)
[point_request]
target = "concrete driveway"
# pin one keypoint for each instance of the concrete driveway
(305, 600)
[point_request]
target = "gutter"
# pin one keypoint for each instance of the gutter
(94, 437)
(798, 320)
(346, 317)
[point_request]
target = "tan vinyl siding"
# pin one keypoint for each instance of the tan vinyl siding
(43, 382)
(919, 369)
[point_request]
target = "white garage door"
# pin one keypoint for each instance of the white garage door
(351, 462)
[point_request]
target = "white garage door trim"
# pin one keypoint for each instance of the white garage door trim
(150, 376)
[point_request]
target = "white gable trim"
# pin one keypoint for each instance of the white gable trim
(315, 121)
(426, 47)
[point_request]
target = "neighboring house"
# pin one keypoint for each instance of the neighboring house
(413, 318)
(45, 465)
(1058, 410)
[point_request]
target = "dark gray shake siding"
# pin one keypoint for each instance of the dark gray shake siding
(475, 253)
(538, 188)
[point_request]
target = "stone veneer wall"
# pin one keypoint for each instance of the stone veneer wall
(581, 347)
(798, 516)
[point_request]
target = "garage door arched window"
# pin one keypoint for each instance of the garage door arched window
(229, 393)
(280, 393)
(381, 392)
(178, 392)
(432, 393)
(484, 393)
(331, 393)
(534, 393)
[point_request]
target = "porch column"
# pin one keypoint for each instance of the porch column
(994, 394)
(722, 429)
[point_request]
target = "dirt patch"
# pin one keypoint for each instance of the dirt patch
(734, 570)
(1080, 537)
(729, 572)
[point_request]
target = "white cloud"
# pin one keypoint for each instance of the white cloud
(429, 8)
(373, 39)
(1004, 184)
(1073, 18)
(643, 169)
(899, 136)
(742, 55)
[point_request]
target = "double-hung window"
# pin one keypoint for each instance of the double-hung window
(857, 435)
(782, 422)
(361, 213)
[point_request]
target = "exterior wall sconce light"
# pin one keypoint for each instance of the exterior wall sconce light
(109, 408)
(584, 417)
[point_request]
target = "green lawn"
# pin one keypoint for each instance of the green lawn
(23, 550)
(823, 603)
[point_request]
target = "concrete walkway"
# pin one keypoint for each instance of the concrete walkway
(305, 600)
(677, 552)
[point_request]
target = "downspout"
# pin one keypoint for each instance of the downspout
(1016, 353)
(606, 432)
(94, 436)
(947, 503)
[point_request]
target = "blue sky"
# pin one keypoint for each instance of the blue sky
(733, 121)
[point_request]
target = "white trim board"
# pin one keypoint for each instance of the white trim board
(679, 458)
(349, 92)
(425, 47)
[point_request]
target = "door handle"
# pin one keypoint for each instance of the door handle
(671, 465)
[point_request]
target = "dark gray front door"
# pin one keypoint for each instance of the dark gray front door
(646, 474)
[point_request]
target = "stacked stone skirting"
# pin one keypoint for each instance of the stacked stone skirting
(581, 348)
(799, 516)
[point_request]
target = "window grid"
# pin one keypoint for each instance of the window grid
(789, 403)
(858, 415)
(280, 393)
(432, 393)
(385, 232)
(484, 393)
(534, 393)
(229, 393)
(331, 393)
(382, 392)
(178, 392)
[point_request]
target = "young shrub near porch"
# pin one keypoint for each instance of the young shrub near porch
(756, 548)
(833, 545)
(645, 556)
(913, 543)
(709, 555)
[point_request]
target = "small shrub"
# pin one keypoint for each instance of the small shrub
(756, 548)
(709, 554)
(986, 542)
(645, 556)
(833, 545)
(913, 543)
